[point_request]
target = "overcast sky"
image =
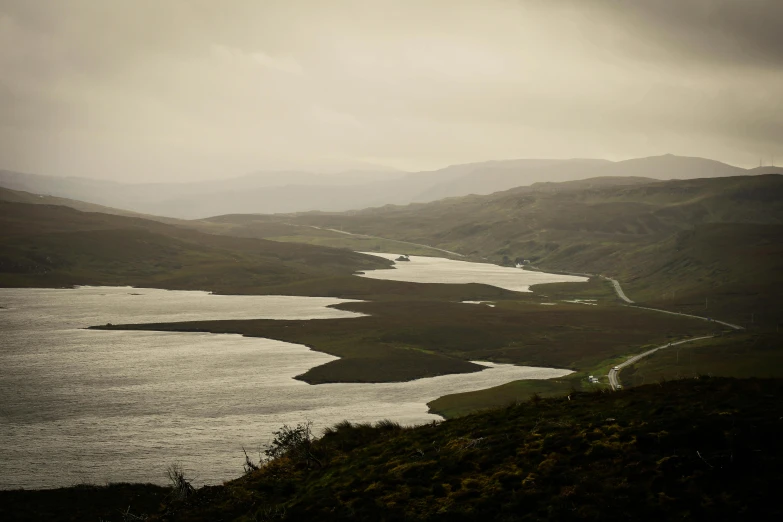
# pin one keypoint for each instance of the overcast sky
(195, 89)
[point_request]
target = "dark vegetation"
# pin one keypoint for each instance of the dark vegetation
(403, 340)
(111, 503)
(694, 449)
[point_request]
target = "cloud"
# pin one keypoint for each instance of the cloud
(195, 88)
(283, 64)
(735, 33)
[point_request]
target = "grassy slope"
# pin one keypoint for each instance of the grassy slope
(722, 270)
(275, 228)
(658, 238)
(753, 353)
(54, 246)
(687, 450)
(46, 245)
(20, 196)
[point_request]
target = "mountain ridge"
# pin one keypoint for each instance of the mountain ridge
(298, 191)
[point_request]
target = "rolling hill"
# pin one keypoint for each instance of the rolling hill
(296, 191)
(53, 246)
(673, 243)
(20, 196)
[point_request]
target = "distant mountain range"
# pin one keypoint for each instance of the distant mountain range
(297, 191)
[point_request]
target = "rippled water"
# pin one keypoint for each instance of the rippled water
(104, 406)
(422, 269)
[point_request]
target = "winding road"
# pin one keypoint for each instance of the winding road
(625, 298)
(730, 325)
(615, 372)
(618, 289)
(378, 237)
(621, 294)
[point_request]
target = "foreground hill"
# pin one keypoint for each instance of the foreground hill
(49, 245)
(686, 450)
(296, 191)
(696, 449)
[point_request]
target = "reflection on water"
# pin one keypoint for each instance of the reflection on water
(422, 269)
(99, 406)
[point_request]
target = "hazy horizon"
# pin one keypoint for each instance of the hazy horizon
(373, 172)
(176, 90)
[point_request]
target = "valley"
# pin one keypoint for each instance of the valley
(690, 267)
(671, 244)
(409, 261)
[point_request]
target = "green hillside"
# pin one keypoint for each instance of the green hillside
(673, 243)
(55, 246)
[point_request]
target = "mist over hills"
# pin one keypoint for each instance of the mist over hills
(185, 199)
(20, 196)
(298, 191)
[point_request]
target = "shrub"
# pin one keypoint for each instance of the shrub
(180, 486)
(249, 466)
(388, 425)
(295, 443)
(346, 436)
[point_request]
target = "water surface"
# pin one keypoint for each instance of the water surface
(100, 406)
(421, 269)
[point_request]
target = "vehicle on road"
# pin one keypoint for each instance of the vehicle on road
(616, 368)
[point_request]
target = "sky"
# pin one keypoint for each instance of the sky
(178, 90)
